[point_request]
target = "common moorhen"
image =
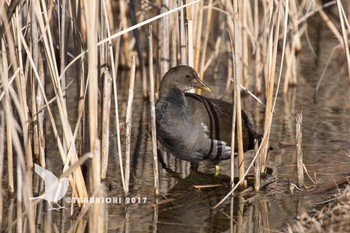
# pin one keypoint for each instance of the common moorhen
(192, 127)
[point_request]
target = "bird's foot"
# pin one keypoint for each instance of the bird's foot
(217, 170)
(56, 209)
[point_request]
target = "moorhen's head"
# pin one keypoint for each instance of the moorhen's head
(183, 78)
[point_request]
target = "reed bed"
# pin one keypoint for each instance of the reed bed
(49, 48)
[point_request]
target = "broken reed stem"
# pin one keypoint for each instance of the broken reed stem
(153, 115)
(238, 78)
(299, 151)
(128, 122)
(106, 106)
(257, 169)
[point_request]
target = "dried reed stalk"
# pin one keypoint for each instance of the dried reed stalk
(91, 16)
(139, 49)
(68, 138)
(164, 39)
(258, 66)
(129, 29)
(109, 24)
(19, 195)
(299, 151)
(97, 212)
(270, 81)
(293, 47)
(35, 55)
(244, 41)
(2, 156)
(174, 24)
(205, 42)
(63, 44)
(257, 169)
(153, 115)
(117, 122)
(40, 116)
(8, 114)
(183, 53)
(190, 39)
(238, 78)
(126, 39)
(234, 114)
(265, 136)
(128, 122)
(95, 217)
(13, 46)
(232, 214)
(107, 91)
(198, 38)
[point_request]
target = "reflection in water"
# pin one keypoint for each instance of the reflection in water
(188, 209)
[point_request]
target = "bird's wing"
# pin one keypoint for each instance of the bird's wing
(46, 175)
(61, 189)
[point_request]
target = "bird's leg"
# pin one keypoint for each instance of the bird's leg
(60, 207)
(194, 166)
(217, 170)
(51, 207)
(161, 160)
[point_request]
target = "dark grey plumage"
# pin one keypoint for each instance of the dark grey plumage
(192, 127)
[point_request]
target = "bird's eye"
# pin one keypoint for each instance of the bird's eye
(188, 76)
